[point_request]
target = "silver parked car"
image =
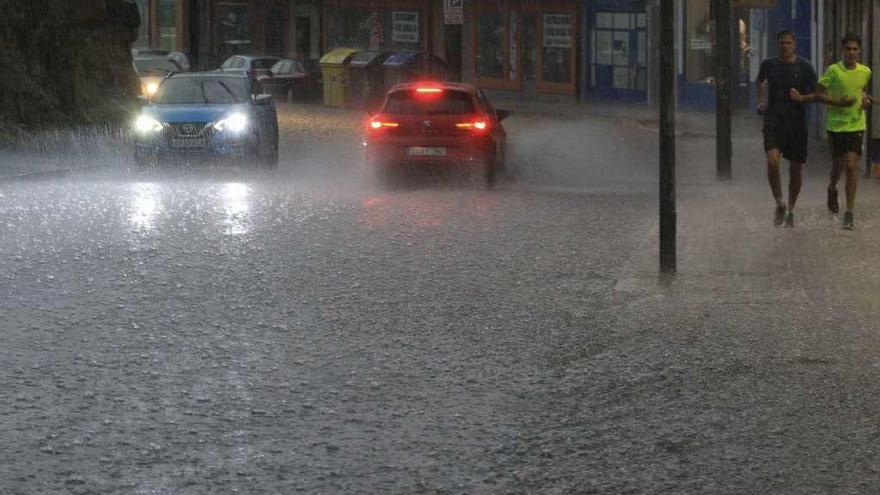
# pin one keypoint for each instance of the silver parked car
(251, 65)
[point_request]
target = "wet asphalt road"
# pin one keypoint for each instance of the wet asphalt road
(217, 330)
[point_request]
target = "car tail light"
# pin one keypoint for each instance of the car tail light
(377, 124)
(478, 124)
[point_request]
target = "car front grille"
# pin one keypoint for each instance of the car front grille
(189, 129)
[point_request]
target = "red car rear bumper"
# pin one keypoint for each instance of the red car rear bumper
(389, 150)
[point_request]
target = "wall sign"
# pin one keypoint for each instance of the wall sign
(453, 11)
(557, 30)
(405, 27)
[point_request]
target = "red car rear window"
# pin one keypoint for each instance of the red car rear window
(449, 102)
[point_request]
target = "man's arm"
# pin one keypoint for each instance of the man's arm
(821, 96)
(759, 86)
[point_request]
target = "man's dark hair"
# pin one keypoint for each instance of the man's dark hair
(851, 38)
(784, 33)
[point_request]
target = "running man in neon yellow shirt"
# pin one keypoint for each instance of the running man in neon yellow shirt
(844, 89)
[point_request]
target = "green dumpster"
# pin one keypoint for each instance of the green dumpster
(335, 72)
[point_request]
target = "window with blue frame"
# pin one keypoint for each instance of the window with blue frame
(618, 67)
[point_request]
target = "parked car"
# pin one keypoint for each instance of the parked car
(208, 114)
(152, 70)
(249, 65)
(290, 80)
(436, 123)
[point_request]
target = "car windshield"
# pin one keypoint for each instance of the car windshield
(409, 102)
(162, 65)
(201, 90)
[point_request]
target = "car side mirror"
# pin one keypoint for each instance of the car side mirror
(263, 99)
(502, 114)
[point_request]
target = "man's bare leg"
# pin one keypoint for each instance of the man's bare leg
(775, 185)
(795, 179)
(852, 179)
(837, 166)
(773, 157)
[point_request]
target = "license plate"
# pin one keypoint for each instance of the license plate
(188, 143)
(420, 151)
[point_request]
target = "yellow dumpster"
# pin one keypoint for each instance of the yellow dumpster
(335, 72)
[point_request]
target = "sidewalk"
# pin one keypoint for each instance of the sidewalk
(688, 123)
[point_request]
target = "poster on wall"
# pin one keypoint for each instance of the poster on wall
(405, 27)
(453, 11)
(557, 30)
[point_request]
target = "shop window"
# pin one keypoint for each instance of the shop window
(513, 52)
(167, 25)
(534, 44)
(558, 48)
(530, 48)
(233, 28)
(490, 45)
(143, 39)
(700, 39)
(374, 28)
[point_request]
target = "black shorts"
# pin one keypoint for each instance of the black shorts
(844, 142)
(788, 136)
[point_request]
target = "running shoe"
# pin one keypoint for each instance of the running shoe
(789, 219)
(832, 201)
(780, 216)
(848, 220)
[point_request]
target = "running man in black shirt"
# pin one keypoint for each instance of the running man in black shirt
(785, 120)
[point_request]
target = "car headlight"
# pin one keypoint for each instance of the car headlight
(146, 124)
(151, 87)
(236, 122)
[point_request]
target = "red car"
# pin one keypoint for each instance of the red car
(437, 123)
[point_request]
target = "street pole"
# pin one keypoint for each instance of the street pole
(723, 145)
(667, 137)
(869, 59)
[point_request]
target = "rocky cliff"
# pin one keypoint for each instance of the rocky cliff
(66, 63)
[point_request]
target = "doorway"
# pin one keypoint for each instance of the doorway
(618, 65)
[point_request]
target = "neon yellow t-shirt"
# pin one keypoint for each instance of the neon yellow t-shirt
(840, 82)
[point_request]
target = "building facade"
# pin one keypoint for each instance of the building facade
(163, 25)
(523, 46)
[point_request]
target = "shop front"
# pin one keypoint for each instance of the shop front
(523, 45)
(617, 44)
(388, 25)
(753, 30)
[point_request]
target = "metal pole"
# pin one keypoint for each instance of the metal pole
(667, 137)
(723, 145)
(869, 58)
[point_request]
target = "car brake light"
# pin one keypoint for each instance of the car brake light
(378, 124)
(479, 125)
(429, 90)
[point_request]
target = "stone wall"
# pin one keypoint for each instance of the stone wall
(66, 63)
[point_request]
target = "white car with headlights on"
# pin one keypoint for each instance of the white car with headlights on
(208, 115)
